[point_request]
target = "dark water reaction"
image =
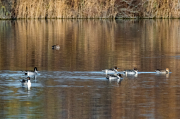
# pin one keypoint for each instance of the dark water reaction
(70, 82)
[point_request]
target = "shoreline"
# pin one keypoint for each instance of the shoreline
(80, 18)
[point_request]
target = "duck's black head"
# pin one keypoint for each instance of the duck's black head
(115, 67)
(35, 68)
(54, 46)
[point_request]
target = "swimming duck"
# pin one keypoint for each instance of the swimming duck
(162, 71)
(131, 72)
(30, 73)
(56, 47)
(110, 71)
(113, 76)
(131, 75)
(26, 82)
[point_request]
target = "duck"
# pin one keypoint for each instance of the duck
(31, 73)
(131, 72)
(26, 82)
(162, 71)
(56, 47)
(110, 71)
(113, 76)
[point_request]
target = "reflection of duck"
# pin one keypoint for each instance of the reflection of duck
(31, 73)
(56, 47)
(131, 72)
(162, 74)
(115, 76)
(162, 71)
(26, 82)
(110, 71)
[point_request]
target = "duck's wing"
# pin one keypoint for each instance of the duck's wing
(29, 71)
(112, 75)
(24, 71)
(129, 70)
(161, 70)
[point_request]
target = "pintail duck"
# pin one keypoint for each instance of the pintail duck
(131, 72)
(56, 47)
(115, 76)
(110, 71)
(31, 73)
(162, 71)
(26, 82)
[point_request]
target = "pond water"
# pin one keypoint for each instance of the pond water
(70, 82)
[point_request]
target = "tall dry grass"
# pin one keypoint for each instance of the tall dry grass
(65, 9)
(90, 9)
(161, 8)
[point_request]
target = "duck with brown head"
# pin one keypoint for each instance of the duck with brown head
(26, 82)
(162, 71)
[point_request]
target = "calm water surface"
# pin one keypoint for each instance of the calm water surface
(70, 83)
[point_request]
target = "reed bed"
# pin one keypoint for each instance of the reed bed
(89, 9)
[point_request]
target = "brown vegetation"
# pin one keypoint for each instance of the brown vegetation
(89, 9)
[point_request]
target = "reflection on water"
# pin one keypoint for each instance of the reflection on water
(70, 83)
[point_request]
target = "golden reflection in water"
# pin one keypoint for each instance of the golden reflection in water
(89, 44)
(28, 43)
(93, 45)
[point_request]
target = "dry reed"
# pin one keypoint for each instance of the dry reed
(90, 9)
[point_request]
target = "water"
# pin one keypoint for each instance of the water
(71, 84)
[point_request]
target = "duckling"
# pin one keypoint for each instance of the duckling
(162, 71)
(110, 71)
